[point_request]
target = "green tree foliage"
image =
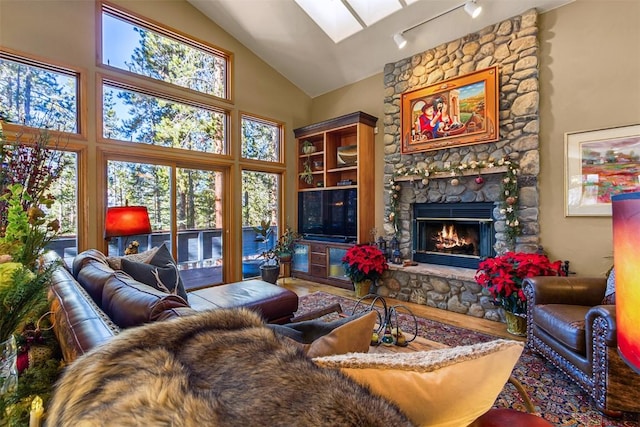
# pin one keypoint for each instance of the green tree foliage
(37, 97)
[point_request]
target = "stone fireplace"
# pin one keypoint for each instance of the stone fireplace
(512, 45)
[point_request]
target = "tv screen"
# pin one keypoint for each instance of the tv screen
(328, 214)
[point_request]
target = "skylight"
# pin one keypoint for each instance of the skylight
(340, 19)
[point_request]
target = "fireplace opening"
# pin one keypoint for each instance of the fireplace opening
(457, 234)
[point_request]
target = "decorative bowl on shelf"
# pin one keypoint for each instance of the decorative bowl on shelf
(348, 155)
(318, 165)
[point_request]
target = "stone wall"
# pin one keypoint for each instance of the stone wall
(513, 46)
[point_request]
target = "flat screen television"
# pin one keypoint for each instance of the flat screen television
(328, 215)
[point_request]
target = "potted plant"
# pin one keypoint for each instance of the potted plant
(503, 275)
(308, 147)
(270, 268)
(364, 264)
(281, 251)
(284, 246)
(307, 174)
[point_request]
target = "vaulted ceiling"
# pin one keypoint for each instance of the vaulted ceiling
(282, 34)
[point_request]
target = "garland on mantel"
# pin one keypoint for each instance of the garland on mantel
(508, 196)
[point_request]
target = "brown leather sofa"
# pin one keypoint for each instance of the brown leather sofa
(94, 302)
(567, 325)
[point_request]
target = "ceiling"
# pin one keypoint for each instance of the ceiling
(285, 37)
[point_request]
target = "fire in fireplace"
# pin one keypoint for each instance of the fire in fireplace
(455, 234)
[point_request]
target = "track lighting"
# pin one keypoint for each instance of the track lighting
(472, 9)
(400, 40)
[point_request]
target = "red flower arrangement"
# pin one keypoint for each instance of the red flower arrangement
(503, 275)
(364, 262)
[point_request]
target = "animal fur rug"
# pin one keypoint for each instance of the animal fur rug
(217, 368)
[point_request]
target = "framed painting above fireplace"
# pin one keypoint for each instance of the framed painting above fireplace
(453, 113)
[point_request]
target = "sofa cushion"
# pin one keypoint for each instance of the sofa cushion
(564, 322)
(318, 338)
(116, 261)
(160, 271)
(92, 278)
(449, 387)
(83, 257)
(131, 303)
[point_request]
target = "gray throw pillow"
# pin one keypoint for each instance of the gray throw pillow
(161, 272)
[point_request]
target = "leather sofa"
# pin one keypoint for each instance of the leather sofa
(93, 302)
(568, 325)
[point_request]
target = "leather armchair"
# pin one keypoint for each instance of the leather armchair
(568, 326)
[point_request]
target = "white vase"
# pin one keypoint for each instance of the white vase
(8, 366)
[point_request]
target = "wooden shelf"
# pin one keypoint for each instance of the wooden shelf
(355, 130)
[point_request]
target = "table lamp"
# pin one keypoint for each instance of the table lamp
(626, 259)
(122, 221)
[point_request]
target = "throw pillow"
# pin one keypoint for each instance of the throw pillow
(116, 261)
(610, 292)
(347, 335)
(160, 271)
(447, 388)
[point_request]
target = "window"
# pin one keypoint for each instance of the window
(65, 206)
(37, 94)
(197, 216)
(134, 116)
(140, 47)
(260, 218)
(260, 139)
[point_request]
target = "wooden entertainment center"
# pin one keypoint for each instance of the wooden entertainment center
(336, 154)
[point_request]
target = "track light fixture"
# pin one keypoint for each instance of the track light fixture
(471, 7)
(400, 40)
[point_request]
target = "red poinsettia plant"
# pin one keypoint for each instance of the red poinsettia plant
(364, 262)
(503, 275)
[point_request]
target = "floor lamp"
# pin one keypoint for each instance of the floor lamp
(626, 259)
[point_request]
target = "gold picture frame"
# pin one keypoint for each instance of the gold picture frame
(598, 164)
(453, 113)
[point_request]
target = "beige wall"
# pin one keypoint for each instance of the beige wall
(589, 79)
(64, 32)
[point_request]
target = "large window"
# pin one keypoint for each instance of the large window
(37, 94)
(162, 89)
(129, 43)
(134, 116)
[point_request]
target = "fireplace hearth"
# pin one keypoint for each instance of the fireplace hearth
(453, 234)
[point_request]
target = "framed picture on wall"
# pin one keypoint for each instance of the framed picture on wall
(599, 164)
(455, 112)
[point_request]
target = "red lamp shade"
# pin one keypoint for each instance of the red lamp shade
(626, 259)
(126, 221)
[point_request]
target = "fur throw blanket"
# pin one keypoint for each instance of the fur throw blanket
(216, 368)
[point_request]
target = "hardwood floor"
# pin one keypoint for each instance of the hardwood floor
(304, 287)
